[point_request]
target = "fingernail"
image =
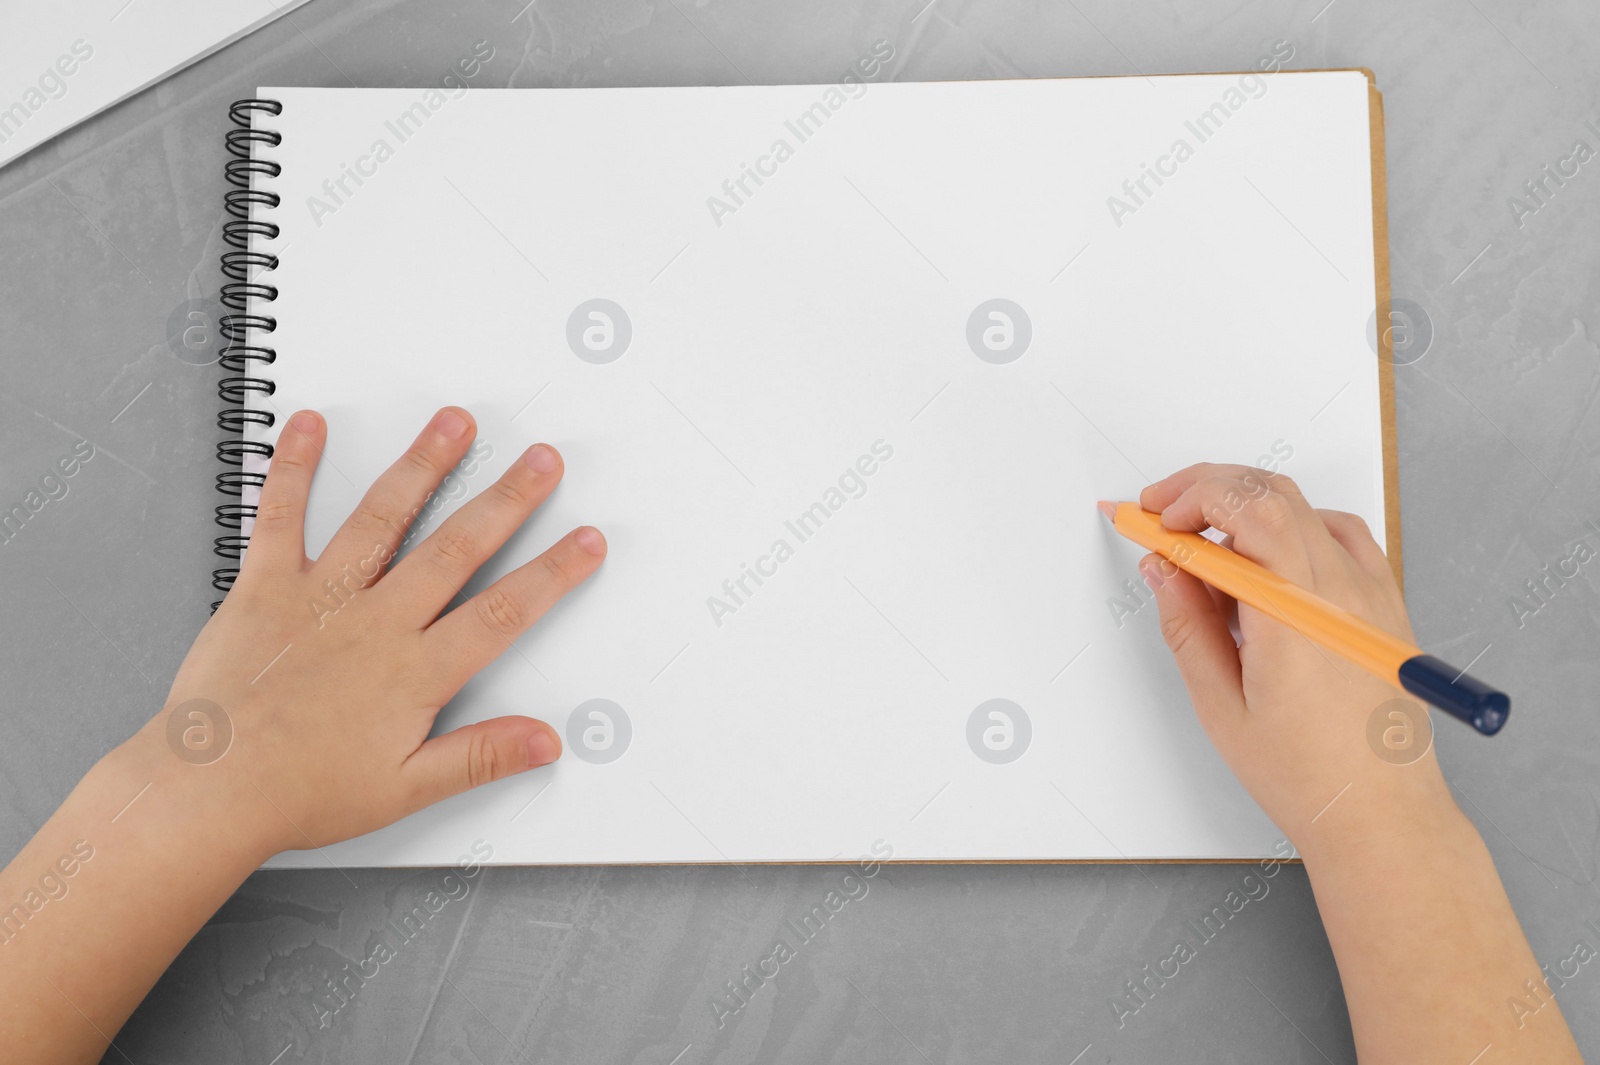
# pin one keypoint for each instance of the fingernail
(450, 424)
(1152, 573)
(540, 458)
(543, 748)
(591, 541)
(305, 421)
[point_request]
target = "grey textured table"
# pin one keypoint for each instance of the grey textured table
(109, 229)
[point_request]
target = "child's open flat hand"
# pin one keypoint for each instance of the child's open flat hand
(330, 709)
(1291, 717)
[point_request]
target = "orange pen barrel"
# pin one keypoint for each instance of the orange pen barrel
(1380, 653)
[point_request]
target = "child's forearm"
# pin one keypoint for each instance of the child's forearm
(1431, 955)
(100, 901)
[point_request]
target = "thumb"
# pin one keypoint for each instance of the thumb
(473, 755)
(1197, 635)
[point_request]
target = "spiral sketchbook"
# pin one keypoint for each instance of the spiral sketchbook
(840, 371)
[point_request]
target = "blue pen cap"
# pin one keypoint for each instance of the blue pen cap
(1460, 696)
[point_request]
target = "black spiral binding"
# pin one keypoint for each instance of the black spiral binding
(246, 204)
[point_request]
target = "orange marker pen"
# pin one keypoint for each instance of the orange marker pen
(1380, 653)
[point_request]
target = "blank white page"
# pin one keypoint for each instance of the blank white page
(800, 397)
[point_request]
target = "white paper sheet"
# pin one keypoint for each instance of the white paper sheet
(60, 63)
(822, 323)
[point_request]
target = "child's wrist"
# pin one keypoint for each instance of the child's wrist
(198, 802)
(1383, 823)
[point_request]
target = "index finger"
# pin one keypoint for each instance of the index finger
(483, 628)
(1268, 518)
(1162, 494)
